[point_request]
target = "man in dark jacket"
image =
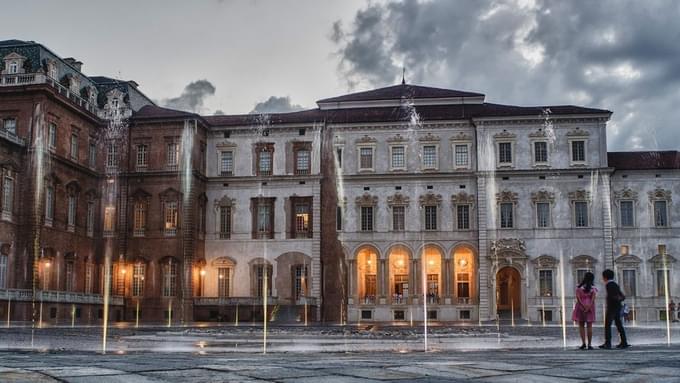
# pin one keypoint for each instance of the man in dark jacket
(613, 311)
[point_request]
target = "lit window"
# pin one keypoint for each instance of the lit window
(109, 223)
(463, 285)
(300, 282)
(138, 272)
(302, 220)
(170, 216)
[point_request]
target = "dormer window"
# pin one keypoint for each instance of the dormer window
(52, 70)
(13, 67)
(10, 125)
(14, 63)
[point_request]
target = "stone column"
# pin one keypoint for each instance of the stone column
(414, 280)
(381, 282)
(447, 281)
(351, 280)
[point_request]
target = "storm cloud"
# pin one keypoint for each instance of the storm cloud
(192, 97)
(612, 54)
(276, 104)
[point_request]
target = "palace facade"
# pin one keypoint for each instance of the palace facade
(389, 205)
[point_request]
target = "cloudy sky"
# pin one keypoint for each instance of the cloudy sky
(235, 56)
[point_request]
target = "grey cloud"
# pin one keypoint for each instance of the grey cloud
(192, 96)
(618, 55)
(276, 104)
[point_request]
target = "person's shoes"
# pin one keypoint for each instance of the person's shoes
(590, 347)
(583, 347)
(606, 346)
(622, 345)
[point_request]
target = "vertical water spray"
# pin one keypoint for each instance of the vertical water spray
(186, 185)
(39, 169)
(563, 301)
(664, 259)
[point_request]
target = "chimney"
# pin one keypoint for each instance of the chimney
(74, 63)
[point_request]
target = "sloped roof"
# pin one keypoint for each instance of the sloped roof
(397, 92)
(301, 117)
(157, 112)
(15, 42)
(647, 160)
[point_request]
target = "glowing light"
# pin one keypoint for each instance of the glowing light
(123, 271)
(400, 262)
(462, 262)
(431, 262)
(203, 272)
(47, 264)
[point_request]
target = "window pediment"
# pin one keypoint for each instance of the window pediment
(626, 193)
(628, 260)
(169, 194)
(223, 262)
(397, 138)
(461, 136)
(504, 135)
(579, 195)
(546, 261)
(583, 261)
(540, 133)
(578, 132)
(507, 196)
(543, 196)
(73, 187)
(662, 260)
(430, 199)
(660, 194)
(462, 198)
(366, 139)
(367, 200)
(511, 245)
(398, 199)
(140, 194)
(428, 137)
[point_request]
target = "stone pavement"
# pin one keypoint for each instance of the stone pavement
(638, 364)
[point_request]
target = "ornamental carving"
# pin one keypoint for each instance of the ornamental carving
(578, 132)
(626, 193)
(224, 202)
(506, 196)
(628, 260)
(546, 261)
(504, 135)
(169, 194)
(367, 200)
(397, 138)
(540, 133)
(226, 144)
(140, 195)
(579, 195)
(462, 198)
(430, 199)
(398, 199)
(512, 245)
(366, 139)
(428, 137)
(660, 194)
(543, 196)
(583, 262)
(662, 260)
(461, 136)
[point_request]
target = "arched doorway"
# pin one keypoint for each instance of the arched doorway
(508, 292)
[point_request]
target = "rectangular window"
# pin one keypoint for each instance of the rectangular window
(52, 135)
(138, 272)
(507, 219)
(463, 217)
(398, 157)
(92, 155)
(3, 271)
(302, 221)
(627, 215)
(628, 283)
(90, 218)
(74, 147)
(49, 205)
(10, 125)
(169, 279)
(663, 279)
(112, 155)
(226, 163)
(70, 275)
(338, 218)
(580, 274)
(338, 157)
(142, 159)
(429, 157)
(300, 281)
(463, 285)
(462, 157)
(365, 158)
(540, 152)
(139, 219)
(225, 222)
(398, 218)
(265, 163)
(660, 214)
(172, 155)
(223, 281)
(71, 217)
(262, 271)
(430, 217)
(88, 278)
(542, 214)
(263, 215)
(302, 161)
(505, 153)
(7, 197)
(109, 220)
(581, 214)
(171, 216)
(545, 283)
(578, 151)
(367, 218)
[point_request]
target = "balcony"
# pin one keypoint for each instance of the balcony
(22, 79)
(233, 301)
(12, 137)
(26, 295)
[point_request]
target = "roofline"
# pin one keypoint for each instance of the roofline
(393, 102)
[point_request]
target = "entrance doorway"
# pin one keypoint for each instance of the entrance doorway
(508, 292)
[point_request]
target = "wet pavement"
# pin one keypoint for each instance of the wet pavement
(371, 354)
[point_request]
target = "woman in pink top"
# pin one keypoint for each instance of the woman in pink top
(584, 310)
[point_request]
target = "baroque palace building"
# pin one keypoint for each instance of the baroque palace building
(389, 205)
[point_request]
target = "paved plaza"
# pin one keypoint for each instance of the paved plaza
(331, 354)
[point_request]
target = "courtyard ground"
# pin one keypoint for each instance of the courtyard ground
(368, 353)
